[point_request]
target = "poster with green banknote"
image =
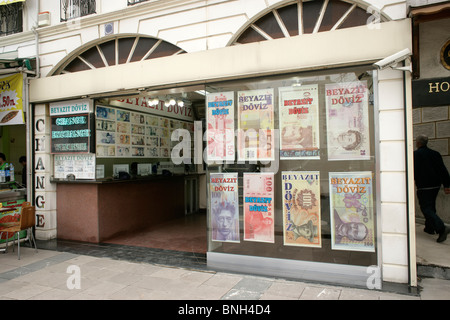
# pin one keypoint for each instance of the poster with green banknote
(351, 211)
(301, 208)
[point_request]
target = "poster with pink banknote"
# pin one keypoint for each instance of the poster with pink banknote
(348, 121)
(220, 126)
(256, 125)
(259, 207)
(299, 122)
(301, 208)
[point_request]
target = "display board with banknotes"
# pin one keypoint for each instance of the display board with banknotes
(301, 208)
(224, 207)
(299, 122)
(259, 207)
(220, 126)
(347, 110)
(351, 211)
(256, 125)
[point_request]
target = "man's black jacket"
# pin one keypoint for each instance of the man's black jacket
(429, 169)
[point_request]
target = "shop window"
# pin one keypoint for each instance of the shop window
(71, 9)
(305, 17)
(11, 20)
(303, 186)
(120, 50)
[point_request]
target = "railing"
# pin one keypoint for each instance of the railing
(71, 9)
(132, 2)
(11, 20)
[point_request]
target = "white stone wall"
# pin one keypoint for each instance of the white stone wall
(393, 177)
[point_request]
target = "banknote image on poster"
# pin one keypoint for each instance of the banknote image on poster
(299, 122)
(259, 207)
(301, 208)
(256, 125)
(347, 107)
(224, 207)
(351, 211)
(220, 122)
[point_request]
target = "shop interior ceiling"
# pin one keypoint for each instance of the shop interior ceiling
(193, 96)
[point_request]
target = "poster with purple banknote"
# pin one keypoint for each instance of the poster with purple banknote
(259, 207)
(301, 208)
(220, 126)
(224, 207)
(351, 211)
(299, 122)
(348, 121)
(256, 125)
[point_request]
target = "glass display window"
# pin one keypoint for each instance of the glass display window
(297, 179)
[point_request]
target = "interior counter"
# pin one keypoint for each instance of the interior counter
(94, 211)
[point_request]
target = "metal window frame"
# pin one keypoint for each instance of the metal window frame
(11, 15)
(82, 7)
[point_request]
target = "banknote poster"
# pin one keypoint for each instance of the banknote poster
(256, 125)
(259, 207)
(348, 121)
(351, 211)
(299, 122)
(301, 208)
(220, 122)
(224, 202)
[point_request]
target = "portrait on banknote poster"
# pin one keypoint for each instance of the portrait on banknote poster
(299, 122)
(351, 211)
(220, 126)
(347, 121)
(256, 125)
(259, 207)
(224, 207)
(301, 208)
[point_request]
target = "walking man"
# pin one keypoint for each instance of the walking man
(429, 174)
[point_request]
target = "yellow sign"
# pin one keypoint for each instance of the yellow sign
(11, 102)
(2, 2)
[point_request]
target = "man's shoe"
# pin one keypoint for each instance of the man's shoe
(429, 231)
(443, 235)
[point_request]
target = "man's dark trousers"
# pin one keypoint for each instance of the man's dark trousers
(427, 202)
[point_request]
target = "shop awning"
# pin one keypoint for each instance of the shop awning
(3, 2)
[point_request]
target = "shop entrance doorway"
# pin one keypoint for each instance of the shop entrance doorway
(137, 134)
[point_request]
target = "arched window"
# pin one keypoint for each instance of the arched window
(119, 50)
(303, 17)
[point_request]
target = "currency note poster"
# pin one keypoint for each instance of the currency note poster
(256, 125)
(299, 122)
(351, 211)
(224, 202)
(348, 133)
(220, 122)
(259, 207)
(301, 208)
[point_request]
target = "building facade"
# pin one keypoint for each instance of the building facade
(122, 50)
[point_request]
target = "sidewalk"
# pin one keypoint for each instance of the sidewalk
(50, 274)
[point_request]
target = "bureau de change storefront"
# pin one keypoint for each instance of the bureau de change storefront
(290, 147)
